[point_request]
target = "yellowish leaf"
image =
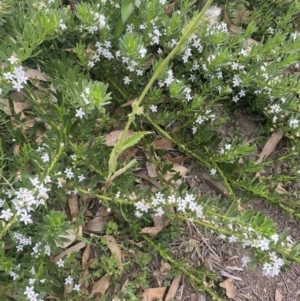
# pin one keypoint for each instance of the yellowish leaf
(229, 287)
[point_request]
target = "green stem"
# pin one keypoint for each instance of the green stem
(190, 28)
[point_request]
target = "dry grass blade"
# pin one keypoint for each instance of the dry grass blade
(270, 146)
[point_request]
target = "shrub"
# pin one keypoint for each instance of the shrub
(69, 78)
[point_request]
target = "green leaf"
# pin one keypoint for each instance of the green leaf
(282, 237)
(126, 10)
(131, 141)
(119, 28)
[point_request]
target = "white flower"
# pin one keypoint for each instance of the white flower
(81, 178)
(62, 25)
(213, 172)
(45, 157)
(236, 80)
(76, 287)
(153, 108)
(127, 80)
(79, 113)
(12, 59)
(232, 238)
(294, 36)
(69, 173)
(25, 218)
(68, 280)
(6, 214)
(245, 260)
(60, 263)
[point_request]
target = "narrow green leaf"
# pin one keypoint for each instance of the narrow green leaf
(131, 141)
(119, 28)
(126, 10)
(282, 237)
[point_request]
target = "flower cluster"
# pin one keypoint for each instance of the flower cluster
(272, 268)
(207, 116)
(183, 204)
(17, 77)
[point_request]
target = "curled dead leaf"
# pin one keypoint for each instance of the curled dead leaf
(229, 287)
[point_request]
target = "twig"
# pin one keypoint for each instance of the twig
(258, 296)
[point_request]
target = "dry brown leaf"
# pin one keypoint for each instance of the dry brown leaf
(270, 146)
(229, 287)
(101, 286)
(168, 9)
(151, 170)
(112, 137)
(278, 295)
(152, 294)
(68, 288)
(165, 267)
(219, 186)
(181, 169)
(151, 230)
(173, 289)
(115, 250)
(85, 257)
(159, 223)
(73, 206)
(233, 29)
(179, 159)
(129, 102)
(249, 42)
(69, 251)
(280, 190)
(8, 294)
(128, 153)
(27, 122)
(36, 74)
(143, 174)
(98, 224)
(162, 143)
(18, 106)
